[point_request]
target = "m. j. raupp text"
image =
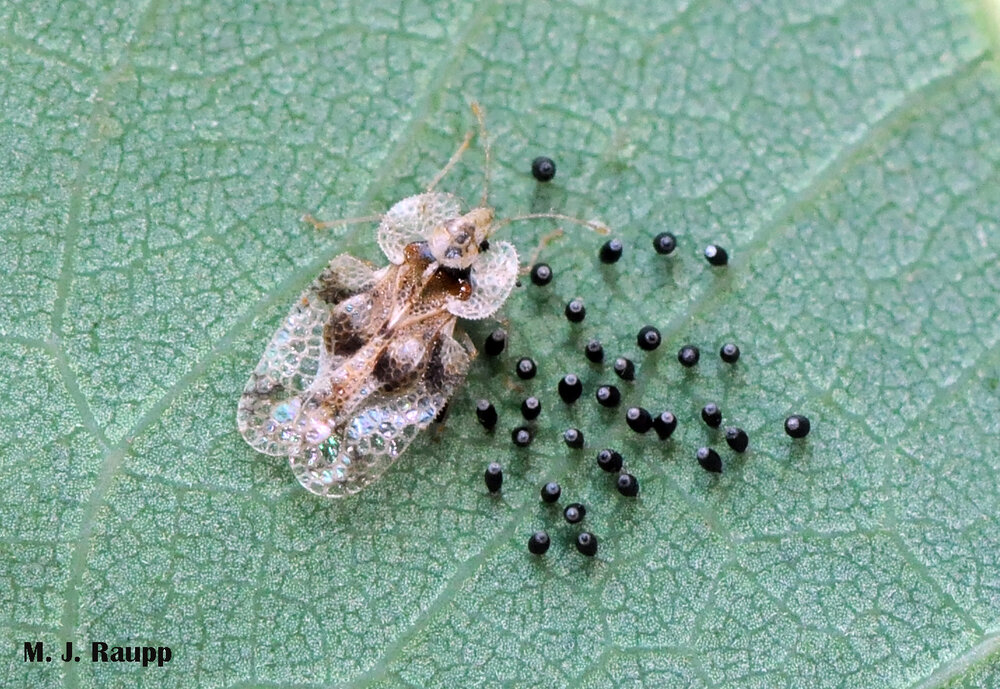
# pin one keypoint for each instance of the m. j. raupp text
(100, 652)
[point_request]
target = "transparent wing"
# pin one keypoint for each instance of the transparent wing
(412, 219)
(492, 277)
(343, 277)
(295, 356)
(369, 443)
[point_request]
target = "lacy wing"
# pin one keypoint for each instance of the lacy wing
(295, 356)
(492, 277)
(412, 219)
(368, 444)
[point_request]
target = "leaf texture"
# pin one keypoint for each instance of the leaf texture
(846, 153)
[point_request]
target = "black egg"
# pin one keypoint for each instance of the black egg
(521, 436)
(493, 477)
(586, 543)
(711, 415)
(526, 368)
(531, 408)
(611, 251)
(624, 368)
(737, 439)
(648, 338)
(576, 311)
(609, 460)
(538, 544)
(541, 274)
(570, 388)
(665, 423)
(628, 485)
(551, 492)
(716, 255)
(495, 342)
(594, 351)
(486, 413)
(543, 169)
(688, 355)
(797, 426)
(709, 460)
(608, 396)
(573, 437)
(664, 243)
(574, 513)
(730, 353)
(638, 419)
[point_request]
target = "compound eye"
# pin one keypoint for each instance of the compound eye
(462, 232)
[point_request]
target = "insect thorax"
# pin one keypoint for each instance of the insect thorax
(383, 340)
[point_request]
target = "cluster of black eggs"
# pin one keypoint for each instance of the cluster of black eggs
(538, 543)
(586, 542)
(544, 170)
(638, 419)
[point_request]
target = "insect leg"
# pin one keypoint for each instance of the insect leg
(542, 243)
(466, 342)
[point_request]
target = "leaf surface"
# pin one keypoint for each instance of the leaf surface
(847, 154)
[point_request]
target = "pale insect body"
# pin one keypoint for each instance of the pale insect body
(367, 357)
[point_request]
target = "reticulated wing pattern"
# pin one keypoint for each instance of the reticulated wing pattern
(343, 277)
(369, 443)
(294, 356)
(492, 277)
(412, 219)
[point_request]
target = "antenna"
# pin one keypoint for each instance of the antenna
(327, 224)
(455, 157)
(477, 110)
(595, 225)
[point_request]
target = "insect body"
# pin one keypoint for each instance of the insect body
(368, 357)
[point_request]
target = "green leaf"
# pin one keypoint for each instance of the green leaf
(847, 154)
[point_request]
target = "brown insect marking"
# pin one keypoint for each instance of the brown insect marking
(340, 341)
(334, 288)
(436, 375)
(452, 282)
(345, 331)
(333, 294)
(418, 253)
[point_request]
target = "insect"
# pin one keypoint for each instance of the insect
(367, 357)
